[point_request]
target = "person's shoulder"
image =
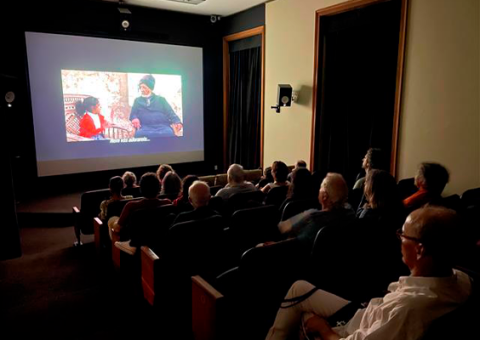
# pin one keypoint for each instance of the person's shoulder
(249, 185)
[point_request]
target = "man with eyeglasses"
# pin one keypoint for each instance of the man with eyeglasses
(432, 290)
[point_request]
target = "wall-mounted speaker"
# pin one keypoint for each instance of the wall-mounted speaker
(284, 95)
(125, 19)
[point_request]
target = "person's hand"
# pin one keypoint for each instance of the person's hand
(107, 124)
(136, 123)
(320, 326)
(177, 128)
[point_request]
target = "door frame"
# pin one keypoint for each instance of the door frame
(345, 7)
(260, 30)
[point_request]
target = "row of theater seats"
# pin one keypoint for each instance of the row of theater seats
(210, 273)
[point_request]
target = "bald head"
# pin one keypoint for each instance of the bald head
(199, 194)
(333, 191)
(435, 227)
(236, 174)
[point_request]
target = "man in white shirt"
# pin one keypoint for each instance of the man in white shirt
(432, 290)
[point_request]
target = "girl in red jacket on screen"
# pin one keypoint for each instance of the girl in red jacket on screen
(92, 124)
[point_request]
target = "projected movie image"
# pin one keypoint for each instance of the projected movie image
(121, 107)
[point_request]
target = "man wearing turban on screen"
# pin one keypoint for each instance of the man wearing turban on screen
(152, 115)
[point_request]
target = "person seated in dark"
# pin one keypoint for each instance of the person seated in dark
(266, 178)
(434, 288)
(116, 185)
(374, 159)
(279, 173)
(332, 197)
(130, 179)
(92, 124)
(171, 186)
(383, 200)
(152, 115)
(199, 196)
(301, 187)
(431, 179)
(236, 182)
(131, 185)
(182, 202)
(149, 187)
(162, 171)
(301, 164)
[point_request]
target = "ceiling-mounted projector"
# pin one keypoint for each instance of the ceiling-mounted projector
(191, 2)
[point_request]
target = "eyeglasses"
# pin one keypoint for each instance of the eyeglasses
(400, 235)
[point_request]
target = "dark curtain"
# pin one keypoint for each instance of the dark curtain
(243, 131)
(357, 88)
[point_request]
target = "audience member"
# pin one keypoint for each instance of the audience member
(279, 173)
(236, 182)
(131, 186)
(171, 185)
(383, 200)
(116, 186)
(332, 196)
(162, 171)
(182, 201)
(149, 187)
(432, 290)
(299, 165)
(301, 187)
(266, 178)
(374, 159)
(199, 196)
(431, 179)
(130, 179)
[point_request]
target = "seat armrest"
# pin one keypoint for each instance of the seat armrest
(148, 259)
(97, 227)
(115, 251)
(206, 309)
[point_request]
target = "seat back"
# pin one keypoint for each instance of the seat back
(471, 197)
(251, 226)
(217, 204)
(406, 187)
(148, 227)
(266, 273)
(253, 175)
(135, 192)
(356, 259)
(276, 196)
(90, 208)
(461, 323)
(452, 202)
(295, 207)
(195, 247)
(242, 200)
(115, 208)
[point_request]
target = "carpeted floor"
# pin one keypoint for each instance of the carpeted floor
(57, 291)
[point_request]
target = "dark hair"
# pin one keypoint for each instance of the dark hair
(186, 183)
(149, 185)
(381, 190)
(301, 186)
(268, 174)
(279, 171)
(162, 170)
(171, 184)
(116, 185)
(82, 106)
(148, 80)
(376, 159)
(301, 164)
(435, 177)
